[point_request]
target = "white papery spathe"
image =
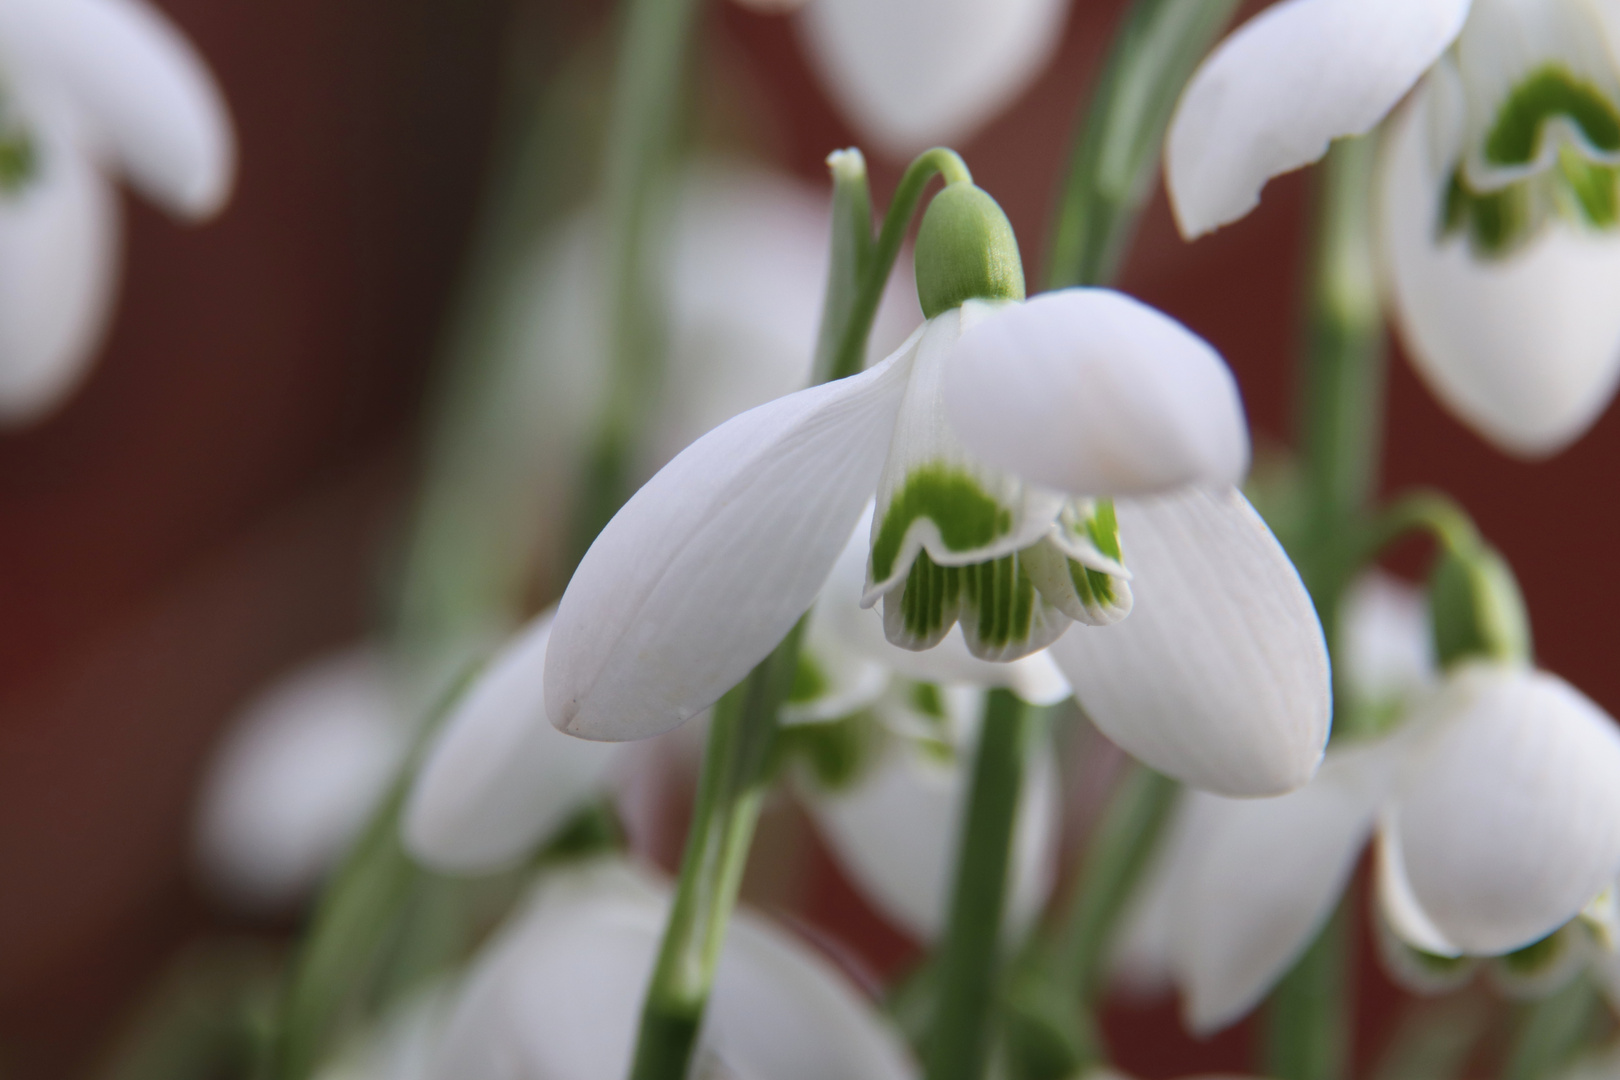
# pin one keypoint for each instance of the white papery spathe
(91, 88)
(1497, 812)
(296, 776)
(1525, 347)
(910, 74)
(497, 779)
(711, 563)
(558, 993)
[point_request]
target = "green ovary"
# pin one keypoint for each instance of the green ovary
(965, 514)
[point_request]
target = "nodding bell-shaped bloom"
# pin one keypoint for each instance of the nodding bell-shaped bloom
(887, 756)
(1499, 190)
(910, 74)
(296, 776)
(1023, 453)
(558, 992)
(1496, 812)
(89, 89)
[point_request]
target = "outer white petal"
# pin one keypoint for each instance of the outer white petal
(296, 777)
(1401, 909)
(711, 563)
(912, 73)
(58, 269)
(1510, 821)
(1219, 678)
(1274, 94)
(1525, 349)
(145, 91)
(898, 828)
(1036, 678)
(1093, 393)
(1266, 878)
(499, 779)
(558, 994)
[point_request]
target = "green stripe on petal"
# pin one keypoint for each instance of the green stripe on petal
(966, 515)
(1548, 93)
(1081, 592)
(1002, 614)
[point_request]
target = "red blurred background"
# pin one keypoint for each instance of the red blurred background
(216, 503)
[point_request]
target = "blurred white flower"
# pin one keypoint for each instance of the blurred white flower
(1496, 809)
(910, 74)
(297, 774)
(557, 994)
(88, 89)
(1500, 209)
(1220, 678)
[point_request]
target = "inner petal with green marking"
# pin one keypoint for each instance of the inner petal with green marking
(962, 514)
(1003, 616)
(1578, 180)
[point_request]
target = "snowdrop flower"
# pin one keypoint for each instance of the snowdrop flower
(910, 74)
(403, 1045)
(1496, 810)
(1500, 210)
(297, 775)
(89, 88)
(994, 440)
(558, 993)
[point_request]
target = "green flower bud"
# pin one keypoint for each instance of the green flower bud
(966, 250)
(1477, 609)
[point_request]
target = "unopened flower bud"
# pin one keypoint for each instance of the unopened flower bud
(966, 250)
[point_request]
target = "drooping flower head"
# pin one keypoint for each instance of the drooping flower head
(1499, 204)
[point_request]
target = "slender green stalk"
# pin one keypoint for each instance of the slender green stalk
(1341, 425)
(969, 955)
(1119, 853)
(735, 771)
(1429, 511)
(1551, 1033)
(1116, 152)
(1307, 1026)
(1435, 1039)
(642, 135)
(841, 349)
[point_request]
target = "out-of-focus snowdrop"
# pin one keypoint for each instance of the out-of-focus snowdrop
(910, 74)
(889, 789)
(1495, 806)
(89, 89)
(739, 279)
(997, 520)
(557, 994)
(298, 773)
(402, 1045)
(1500, 215)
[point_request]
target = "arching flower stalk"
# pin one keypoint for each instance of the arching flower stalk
(1498, 192)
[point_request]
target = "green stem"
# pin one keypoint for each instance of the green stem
(1116, 154)
(1551, 1033)
(1119, 853)
(970, 952)
(1307, 1024)
(1428, 511)
(735, 771)
(642, 135)
(841, 348)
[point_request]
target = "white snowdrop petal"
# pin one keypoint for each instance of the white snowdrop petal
(1524, 348)
(498, 778)
(1273, 95)
(897, 829)
(558, 994)
(1090, 392)
(144, 89)
(711, 563)
(1510, 821)
(1219, 677)
(1387, 645)
(298, 773)
(59, 255)
(910, 74)
(1400, 907)
(1265, 879)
